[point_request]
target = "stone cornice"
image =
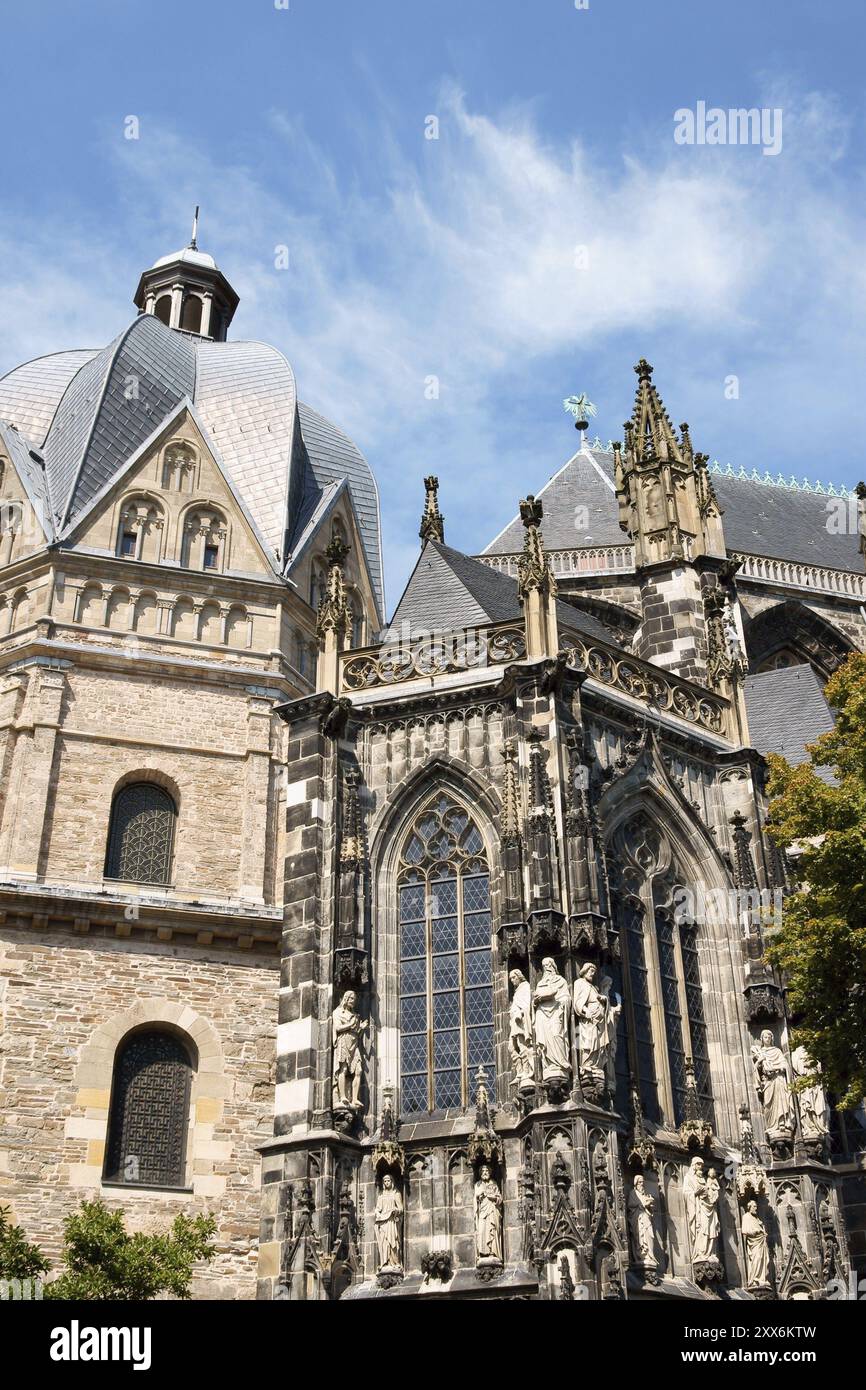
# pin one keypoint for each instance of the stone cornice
(103, 914)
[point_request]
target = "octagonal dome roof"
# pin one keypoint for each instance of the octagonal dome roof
(77, 409)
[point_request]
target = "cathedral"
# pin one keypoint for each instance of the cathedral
(423, 949)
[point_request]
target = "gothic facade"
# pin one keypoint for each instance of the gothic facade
(427, 956)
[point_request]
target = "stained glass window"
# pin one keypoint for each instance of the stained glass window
(673, 1013)
(697, 1024)
(149, 1111)
(141, 835)
(640, 1000)
(446, 981)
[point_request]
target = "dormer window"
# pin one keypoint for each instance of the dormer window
(211, 557)
(128, 544)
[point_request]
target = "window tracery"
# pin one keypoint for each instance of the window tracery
(446, 982)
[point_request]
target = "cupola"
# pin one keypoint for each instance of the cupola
(187, 290)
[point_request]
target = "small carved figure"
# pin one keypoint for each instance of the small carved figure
(388, 1221)
(701, 1194)
(814, 1107)
(641, 1205)
(488, 1218)
(773, 1086)
(348, 1072)
(520, 1031)
(757, 1248)
(552, 1009)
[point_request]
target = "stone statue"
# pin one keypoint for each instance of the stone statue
(596, 1031)
(520, 1046)
(757, 1248)
(773, 1086)
(488, 1218)
(591, 1012)
(640, 1223)
(814, 1107)
(552, 1007)
(348, 1072)
(701, 1192)
(388, 1221)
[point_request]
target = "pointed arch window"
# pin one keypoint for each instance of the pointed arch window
(446, 979)
(141, 834)
(661, 972)
(149, 1114)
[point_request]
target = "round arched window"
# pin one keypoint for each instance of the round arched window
(141, 835)
(149, 1111)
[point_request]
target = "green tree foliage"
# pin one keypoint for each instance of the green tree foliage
(18, 1258)
(821, 944)
(103, 1262)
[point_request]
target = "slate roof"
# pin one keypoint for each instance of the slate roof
(32, 474)
(29, 395)
(786, 710)
(759, 518)
(585, 481)
(448, 590)
(89, 411)
(333, 456)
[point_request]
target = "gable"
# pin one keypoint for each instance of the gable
(25, 519)
(176, 491)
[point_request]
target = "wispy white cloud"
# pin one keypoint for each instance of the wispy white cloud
(498, 264)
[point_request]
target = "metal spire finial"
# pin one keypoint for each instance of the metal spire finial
(193, 241)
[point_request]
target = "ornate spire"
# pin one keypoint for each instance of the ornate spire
(641, 1149)
(510, 820)
(388, 1154)
(533, 570)
(484, 1145)
(667, 501)
(751, 1178)
(695, 1131)
(536, 586)
(334, 615)
(351, 842)
(432, 522)
(744, 864)
(334, 619)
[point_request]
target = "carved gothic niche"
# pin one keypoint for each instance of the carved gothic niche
(674, 1225)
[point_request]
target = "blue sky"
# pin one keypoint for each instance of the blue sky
(459, 258)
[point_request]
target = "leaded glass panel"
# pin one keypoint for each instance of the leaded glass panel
(672, 1012)
(141, 835)
(697, 1023)
(149, 1111)
(446, 1007)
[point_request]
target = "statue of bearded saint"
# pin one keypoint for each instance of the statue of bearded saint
(757, 1248)
(388, 1221)
(488, 1218)
(597, 1023)
(348, 1072)
(552, 1006)
(640, 1222)
(773, 1086)
(814, 1108)
(520, 1045)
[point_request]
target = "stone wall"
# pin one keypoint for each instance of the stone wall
(64, 1004)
